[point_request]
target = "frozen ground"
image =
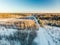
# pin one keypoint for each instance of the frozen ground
(54, 33)
(46, 35)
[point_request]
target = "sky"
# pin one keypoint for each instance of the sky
(37, 6)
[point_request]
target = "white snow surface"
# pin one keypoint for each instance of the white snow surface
(44, 36)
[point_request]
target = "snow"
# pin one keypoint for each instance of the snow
(7, 32)
(46, 35)
(54, 32)
(43, 38)
(4, 31)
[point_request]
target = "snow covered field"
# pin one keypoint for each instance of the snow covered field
(54, 32)
(10, 36)
(46, 35)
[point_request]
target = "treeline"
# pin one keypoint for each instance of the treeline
(53, 20)
(48, 18)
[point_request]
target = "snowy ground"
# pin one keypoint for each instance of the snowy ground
(46, 35)
(54, 32)
(43, 38)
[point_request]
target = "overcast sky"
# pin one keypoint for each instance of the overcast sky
(41, 6)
